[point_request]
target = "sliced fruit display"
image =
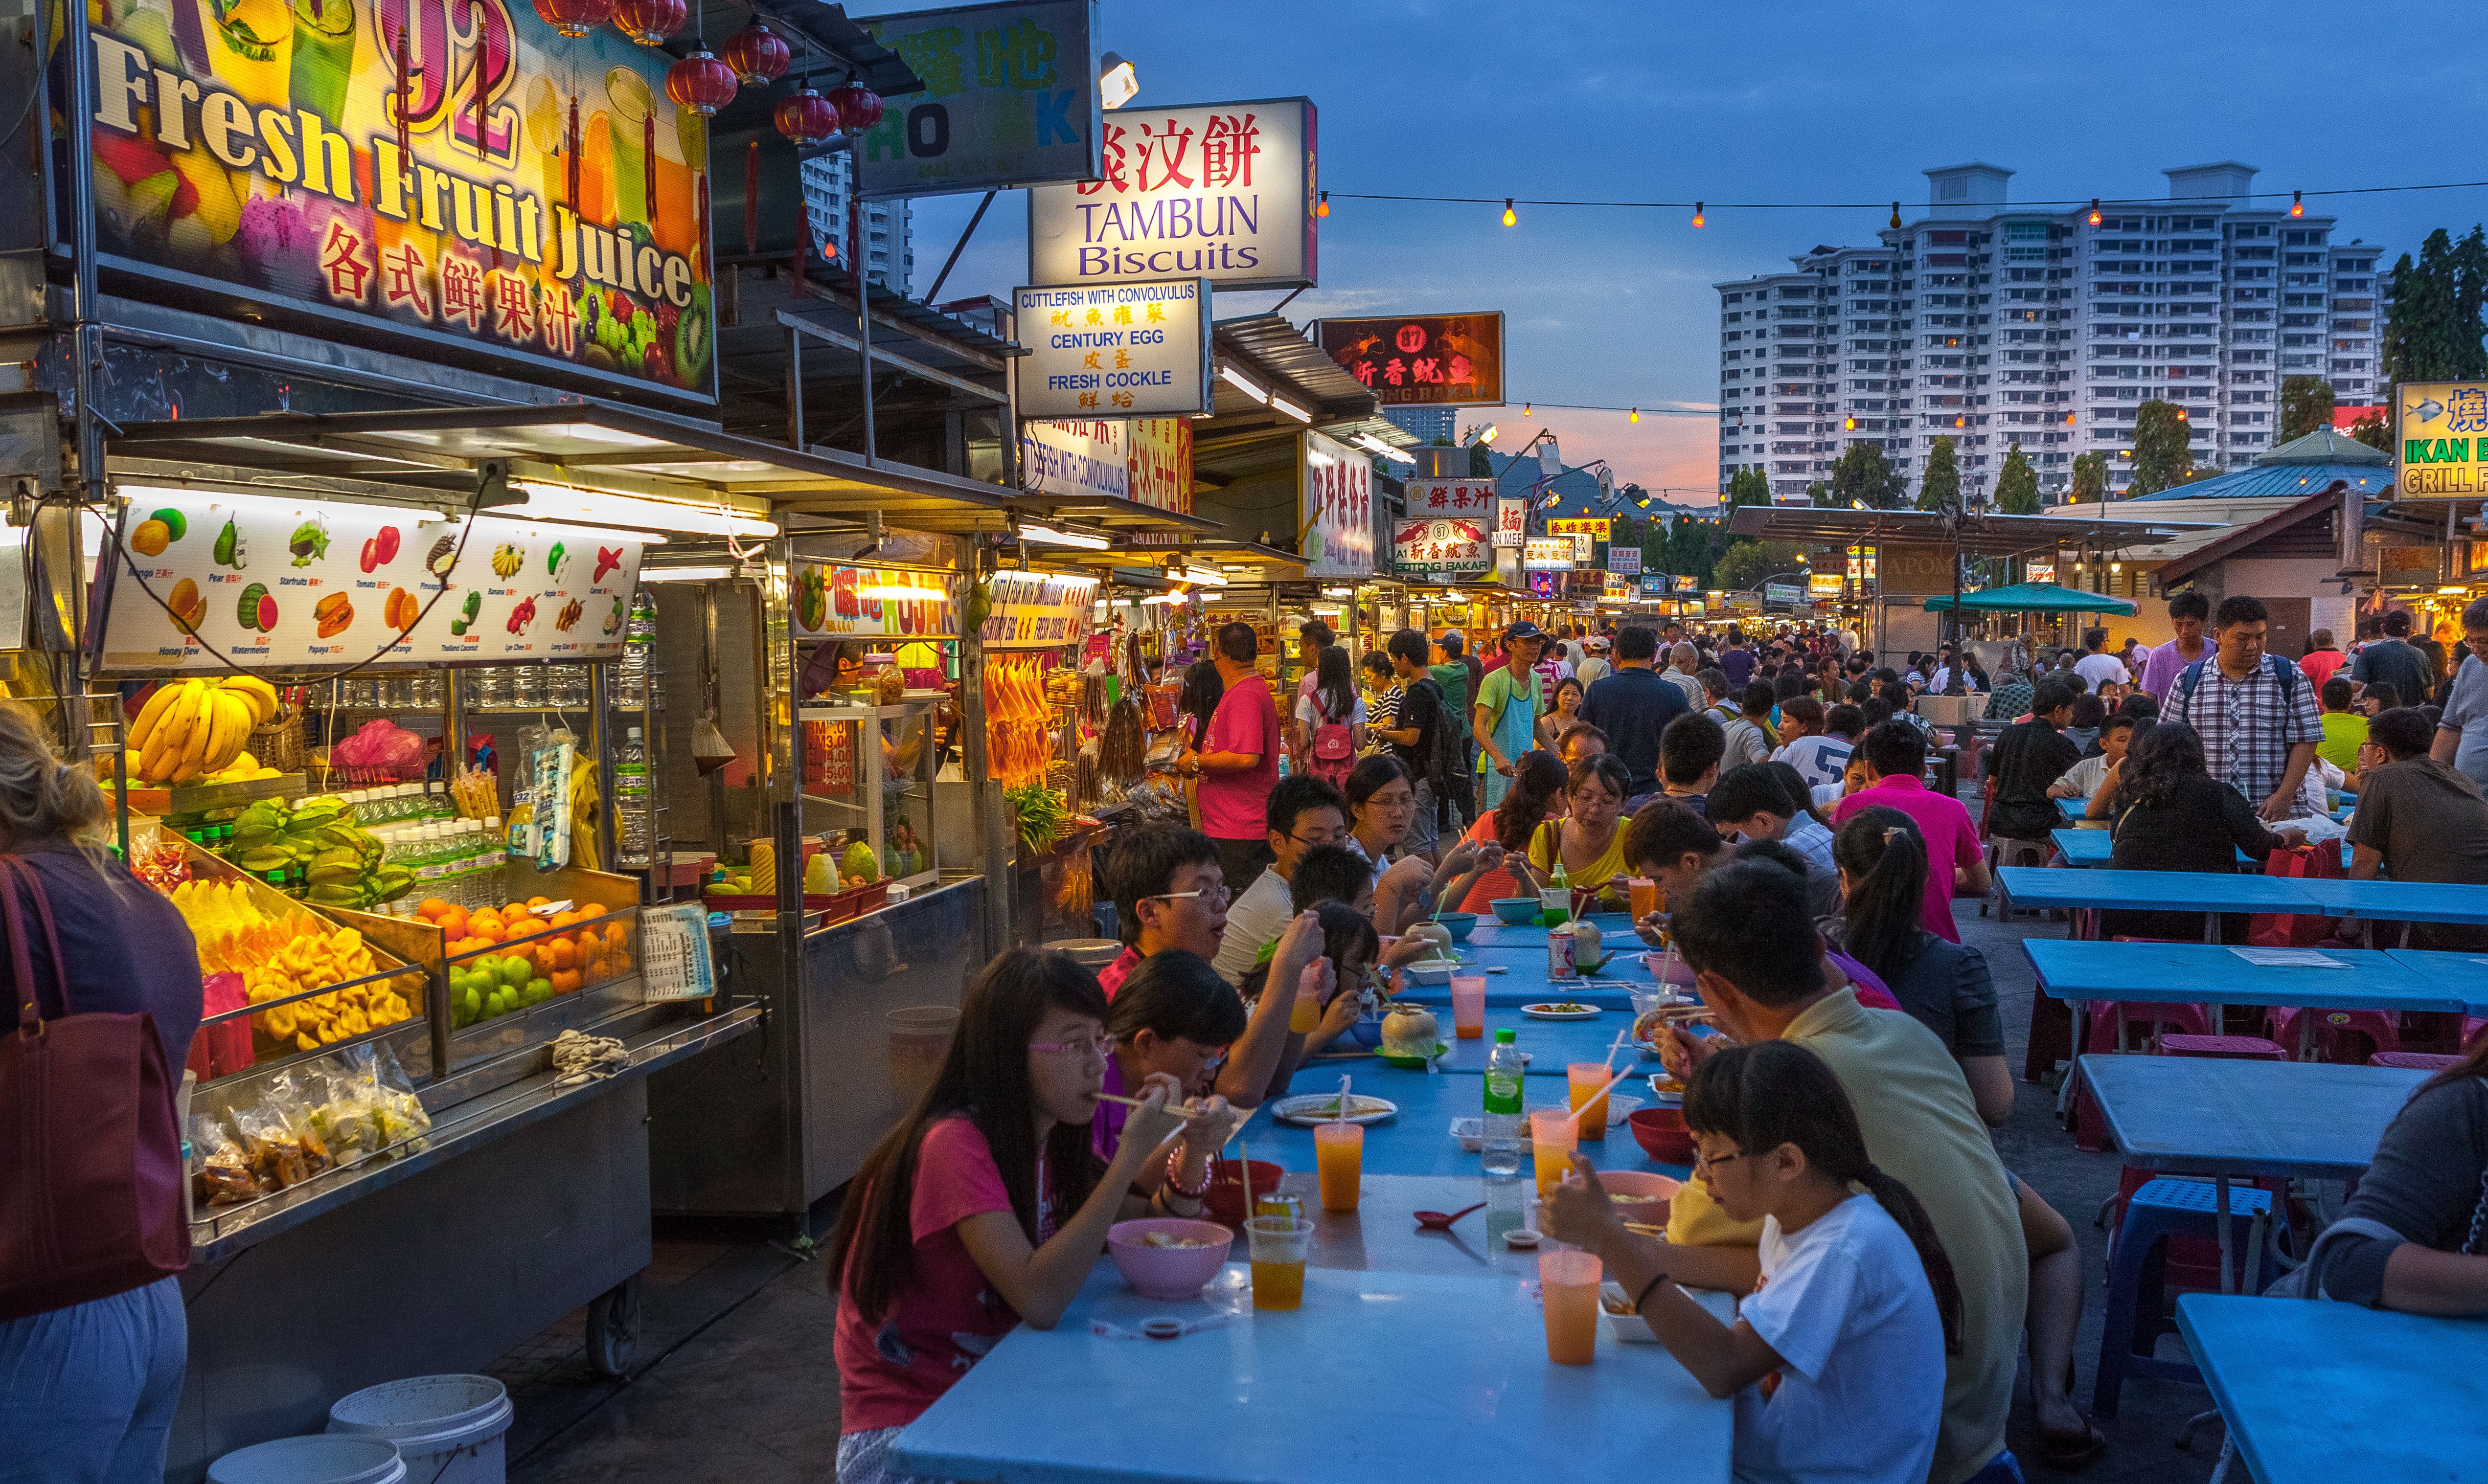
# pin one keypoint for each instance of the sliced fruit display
(187, 606)
(400, 610)
(335, 613)
(255, 601)
(442, 557)
(308, 543)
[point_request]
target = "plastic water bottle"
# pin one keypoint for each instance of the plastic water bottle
(631, 802)
(1506, 1127)
(638, 647)
(1555, 899)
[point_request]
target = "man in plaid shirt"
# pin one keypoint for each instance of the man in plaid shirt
(2255, 713)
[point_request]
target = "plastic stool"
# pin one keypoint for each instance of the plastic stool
(2417, 1062)
(2151, 1020)
(2222, 1047)
(2332, 1028)
(2136, 1286)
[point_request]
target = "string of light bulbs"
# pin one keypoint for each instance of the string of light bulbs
(1701, 208)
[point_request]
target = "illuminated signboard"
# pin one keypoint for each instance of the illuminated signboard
(1421, 360)
(515, 191)
(1007, 100)
(2440, 440)
(1221, 190)
(1114, 349)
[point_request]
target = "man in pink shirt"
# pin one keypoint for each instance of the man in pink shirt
(1239, 760)
(2188, 613)
(1895, 756)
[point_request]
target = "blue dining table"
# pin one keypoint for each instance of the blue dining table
(2464, 974)
(2093, 848)
(2206, 973)
(2387, 901)
(2315, 1393)
(1418, 1139)
(2106, 890)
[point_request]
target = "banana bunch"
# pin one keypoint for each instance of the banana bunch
(189, 729)
(341, 861)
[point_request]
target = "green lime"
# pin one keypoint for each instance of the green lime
(515, 971)
(539, 991)
(494, 1006)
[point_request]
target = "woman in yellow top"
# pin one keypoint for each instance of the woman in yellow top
(1590, 838)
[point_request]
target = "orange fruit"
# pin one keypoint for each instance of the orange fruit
(483, 915)
(594, 970)
(563, 953)
(430, 908)
(565, 981)
(538, 901)
(453, 922)
(564, 920)
(513, 909)
(487, 932)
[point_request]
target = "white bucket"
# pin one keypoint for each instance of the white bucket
(449, 1428)
(319, 1459)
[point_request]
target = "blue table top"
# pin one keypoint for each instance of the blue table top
(2093, 848)
(2318, 1120)
(2400, 901)
(1383, 1375)
(1418, 1140)
(2201, 973)
(2208, 891)
(2312, 1392)
(2464, 974)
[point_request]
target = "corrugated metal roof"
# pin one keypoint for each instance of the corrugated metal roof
(1280, 350)
(2274, 481)
(1979, 535)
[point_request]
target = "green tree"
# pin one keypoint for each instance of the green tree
(1746, 563)
(2090, 478)
(1747, 486)
(1818, 493)
(2160, 456)
(1940, 485)
(2017, 487)
(1861, 473)
(2306, 404)
(2373, 431)
(1481, 461)
(2433, 315)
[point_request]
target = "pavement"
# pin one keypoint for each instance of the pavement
(734, 1381)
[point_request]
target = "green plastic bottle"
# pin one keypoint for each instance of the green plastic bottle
(1555, 898)
(1506, 1128)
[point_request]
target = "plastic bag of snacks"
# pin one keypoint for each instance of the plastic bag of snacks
(224, 1176)
(337, 1108)
(399, 1122)
(277, 1138)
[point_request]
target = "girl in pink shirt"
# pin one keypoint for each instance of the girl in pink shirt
(986, 1207)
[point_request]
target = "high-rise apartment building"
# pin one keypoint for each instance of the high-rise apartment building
(2044, 327)
(888, 227)
(1425, 424)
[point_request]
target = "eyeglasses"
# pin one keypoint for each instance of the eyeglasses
(1339, 838)
(1216, 896)
(1080, 1046)
(1702, 1162)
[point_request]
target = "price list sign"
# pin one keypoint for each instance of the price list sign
(674, 961)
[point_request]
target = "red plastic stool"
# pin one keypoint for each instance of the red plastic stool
(2471, 1026)
(2222, 1047)
(2155, 1022)
(2334, 1032)
(2417, 1062)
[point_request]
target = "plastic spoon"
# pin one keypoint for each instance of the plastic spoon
(1435, 1221)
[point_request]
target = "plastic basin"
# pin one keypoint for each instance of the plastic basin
(1516, 911)
(322, 1458)
(449, 1429)
(1168, 1273)
(1662, 1136)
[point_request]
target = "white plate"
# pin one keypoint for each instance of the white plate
(1543, 1011)
(1313, 1107)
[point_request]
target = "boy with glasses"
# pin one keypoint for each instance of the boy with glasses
(1304, 812)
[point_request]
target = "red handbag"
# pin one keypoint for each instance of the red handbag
(91, 1204)
(2322, 861)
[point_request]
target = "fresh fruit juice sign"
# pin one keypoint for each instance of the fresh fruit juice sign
(871, 603)
(457, 168)
(318, 586)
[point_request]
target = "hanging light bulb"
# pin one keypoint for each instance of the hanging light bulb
(1511, 218)
(2095, 216)
(1961, 422)
(2298, 203)
(1896, 216)
(1851, 425)
(2069, 419)
(1636, 416)
(1697, 213)
(1322, 208)
(757, 54)
(1524, 410)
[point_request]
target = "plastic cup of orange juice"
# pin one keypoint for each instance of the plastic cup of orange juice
(1468, 1007)
(1338, 1155)
(1553, 1136)
(1645, 897)
(1569, 1282)
(1278, 1247)
(1587, 1081)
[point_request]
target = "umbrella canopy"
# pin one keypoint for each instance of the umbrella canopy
(2035, 597)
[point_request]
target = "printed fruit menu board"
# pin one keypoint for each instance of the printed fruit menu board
(457, 169)
(834, 601)
(307, 586)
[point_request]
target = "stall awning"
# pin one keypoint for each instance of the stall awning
(1978, 535)
(593, 446)
(2034, 598)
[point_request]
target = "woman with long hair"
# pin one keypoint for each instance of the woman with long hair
(1565, 714)
(93, 1383)
(1332, 701)
(1536, 792)
(1202, 691)
(2169, 814)
(986, 1206)
(1859, 1306)
(1588, 839)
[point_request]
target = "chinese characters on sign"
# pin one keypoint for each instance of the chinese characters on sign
(851, 602)
(1441, 548)
(1007, 100)
(1335, 508)
(515, 192)
(1546, 553)
(1624, 561)
(1035, 610)
(2442, 429)
(1437, 360)
(1470, 498)
(1114, 349)
(1144, 459)
(1594, 527)
(1510, 522)
(1221, 190)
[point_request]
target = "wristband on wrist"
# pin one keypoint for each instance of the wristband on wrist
(1174, 1181)
(1646, 1291)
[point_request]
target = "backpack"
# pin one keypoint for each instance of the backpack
(1333, 753)
(2290, 675)
(1445, 761)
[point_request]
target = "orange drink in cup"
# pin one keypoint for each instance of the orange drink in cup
(1468, 1007)
(1570, 1284)
(1588, 1083)
(1338, 1155)
(1645, 897)
(1552, 1138)
(1279, 1245)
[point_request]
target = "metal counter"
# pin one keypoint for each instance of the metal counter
(769, 1125)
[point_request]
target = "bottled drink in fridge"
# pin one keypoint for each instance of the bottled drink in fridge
(1506, 1133)
(639, 646)
(631, 822)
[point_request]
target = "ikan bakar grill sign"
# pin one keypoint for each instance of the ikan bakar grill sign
(455, 168)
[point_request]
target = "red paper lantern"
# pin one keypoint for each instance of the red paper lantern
(807, 119)
(858, 106)
(701, 83)
(575, 18)
(650, 22)
(757, 54)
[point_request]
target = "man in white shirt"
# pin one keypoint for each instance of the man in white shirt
(2098, 667)
(1682, 662)
(1594, 664)
(1304, 812)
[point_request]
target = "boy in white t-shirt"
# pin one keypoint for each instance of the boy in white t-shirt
(1836, 1360)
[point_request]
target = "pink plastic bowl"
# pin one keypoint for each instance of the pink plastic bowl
(1168, 1273)
(1652, 1192)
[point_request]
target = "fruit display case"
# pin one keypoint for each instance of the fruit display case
(879, 834)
